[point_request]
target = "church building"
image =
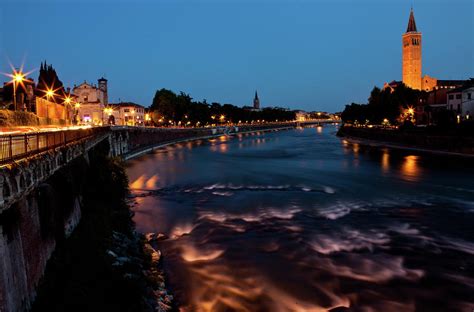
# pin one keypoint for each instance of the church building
(256, 102)
(92, 101)
(412, 75)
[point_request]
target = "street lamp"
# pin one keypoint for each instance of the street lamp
(77, 105)
(18, 78)
(147, 119)
(109, 111)
(67, 104)
(49, 93)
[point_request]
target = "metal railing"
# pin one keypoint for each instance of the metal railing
(17, 146)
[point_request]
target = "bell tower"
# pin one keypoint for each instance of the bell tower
(103, 90)
(256, 101)
(411, 55)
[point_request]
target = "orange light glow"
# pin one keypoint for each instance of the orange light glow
(410, 168)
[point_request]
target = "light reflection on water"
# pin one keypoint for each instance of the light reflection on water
(410, 168)
(303, 221)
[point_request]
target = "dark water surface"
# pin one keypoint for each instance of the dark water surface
(301, 220)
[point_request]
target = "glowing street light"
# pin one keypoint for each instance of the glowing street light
(17, 79)
(49, 93)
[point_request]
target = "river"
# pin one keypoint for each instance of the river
(301, 220)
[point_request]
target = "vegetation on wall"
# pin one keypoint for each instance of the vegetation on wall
(9, 118)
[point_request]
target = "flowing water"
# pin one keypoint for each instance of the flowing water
(301, 220)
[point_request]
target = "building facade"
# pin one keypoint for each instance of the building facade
(461, 101)
(125, 114)
(92, 101)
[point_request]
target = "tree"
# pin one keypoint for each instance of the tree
(383, 104)
(48, 80)
(181, 108)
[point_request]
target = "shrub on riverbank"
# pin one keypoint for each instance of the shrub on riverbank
(102, 266)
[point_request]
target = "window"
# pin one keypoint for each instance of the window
(126, 110)
(86, 98)
(469, 96)
(451, 97)
(458, 96)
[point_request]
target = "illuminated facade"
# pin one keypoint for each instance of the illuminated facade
(93, 99)
(412, 63)
(126, 114)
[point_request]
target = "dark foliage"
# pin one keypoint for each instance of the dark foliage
(382, 104)
(181, 108)
(48, 80)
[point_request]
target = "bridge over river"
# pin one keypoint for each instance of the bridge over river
(27, 217)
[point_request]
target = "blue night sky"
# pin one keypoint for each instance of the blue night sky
(312, 55)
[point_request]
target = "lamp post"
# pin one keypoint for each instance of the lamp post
(109, 112)
(18, 78)
(67, 104)
(76, 112)
(49, 94)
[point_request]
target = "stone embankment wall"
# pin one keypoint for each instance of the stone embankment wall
(30, 229)
(413, 139)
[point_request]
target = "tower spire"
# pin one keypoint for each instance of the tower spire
(256, 101)
(411, 22)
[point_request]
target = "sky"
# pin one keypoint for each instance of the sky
(311, 55)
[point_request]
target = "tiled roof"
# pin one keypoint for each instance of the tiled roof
(126, 104)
